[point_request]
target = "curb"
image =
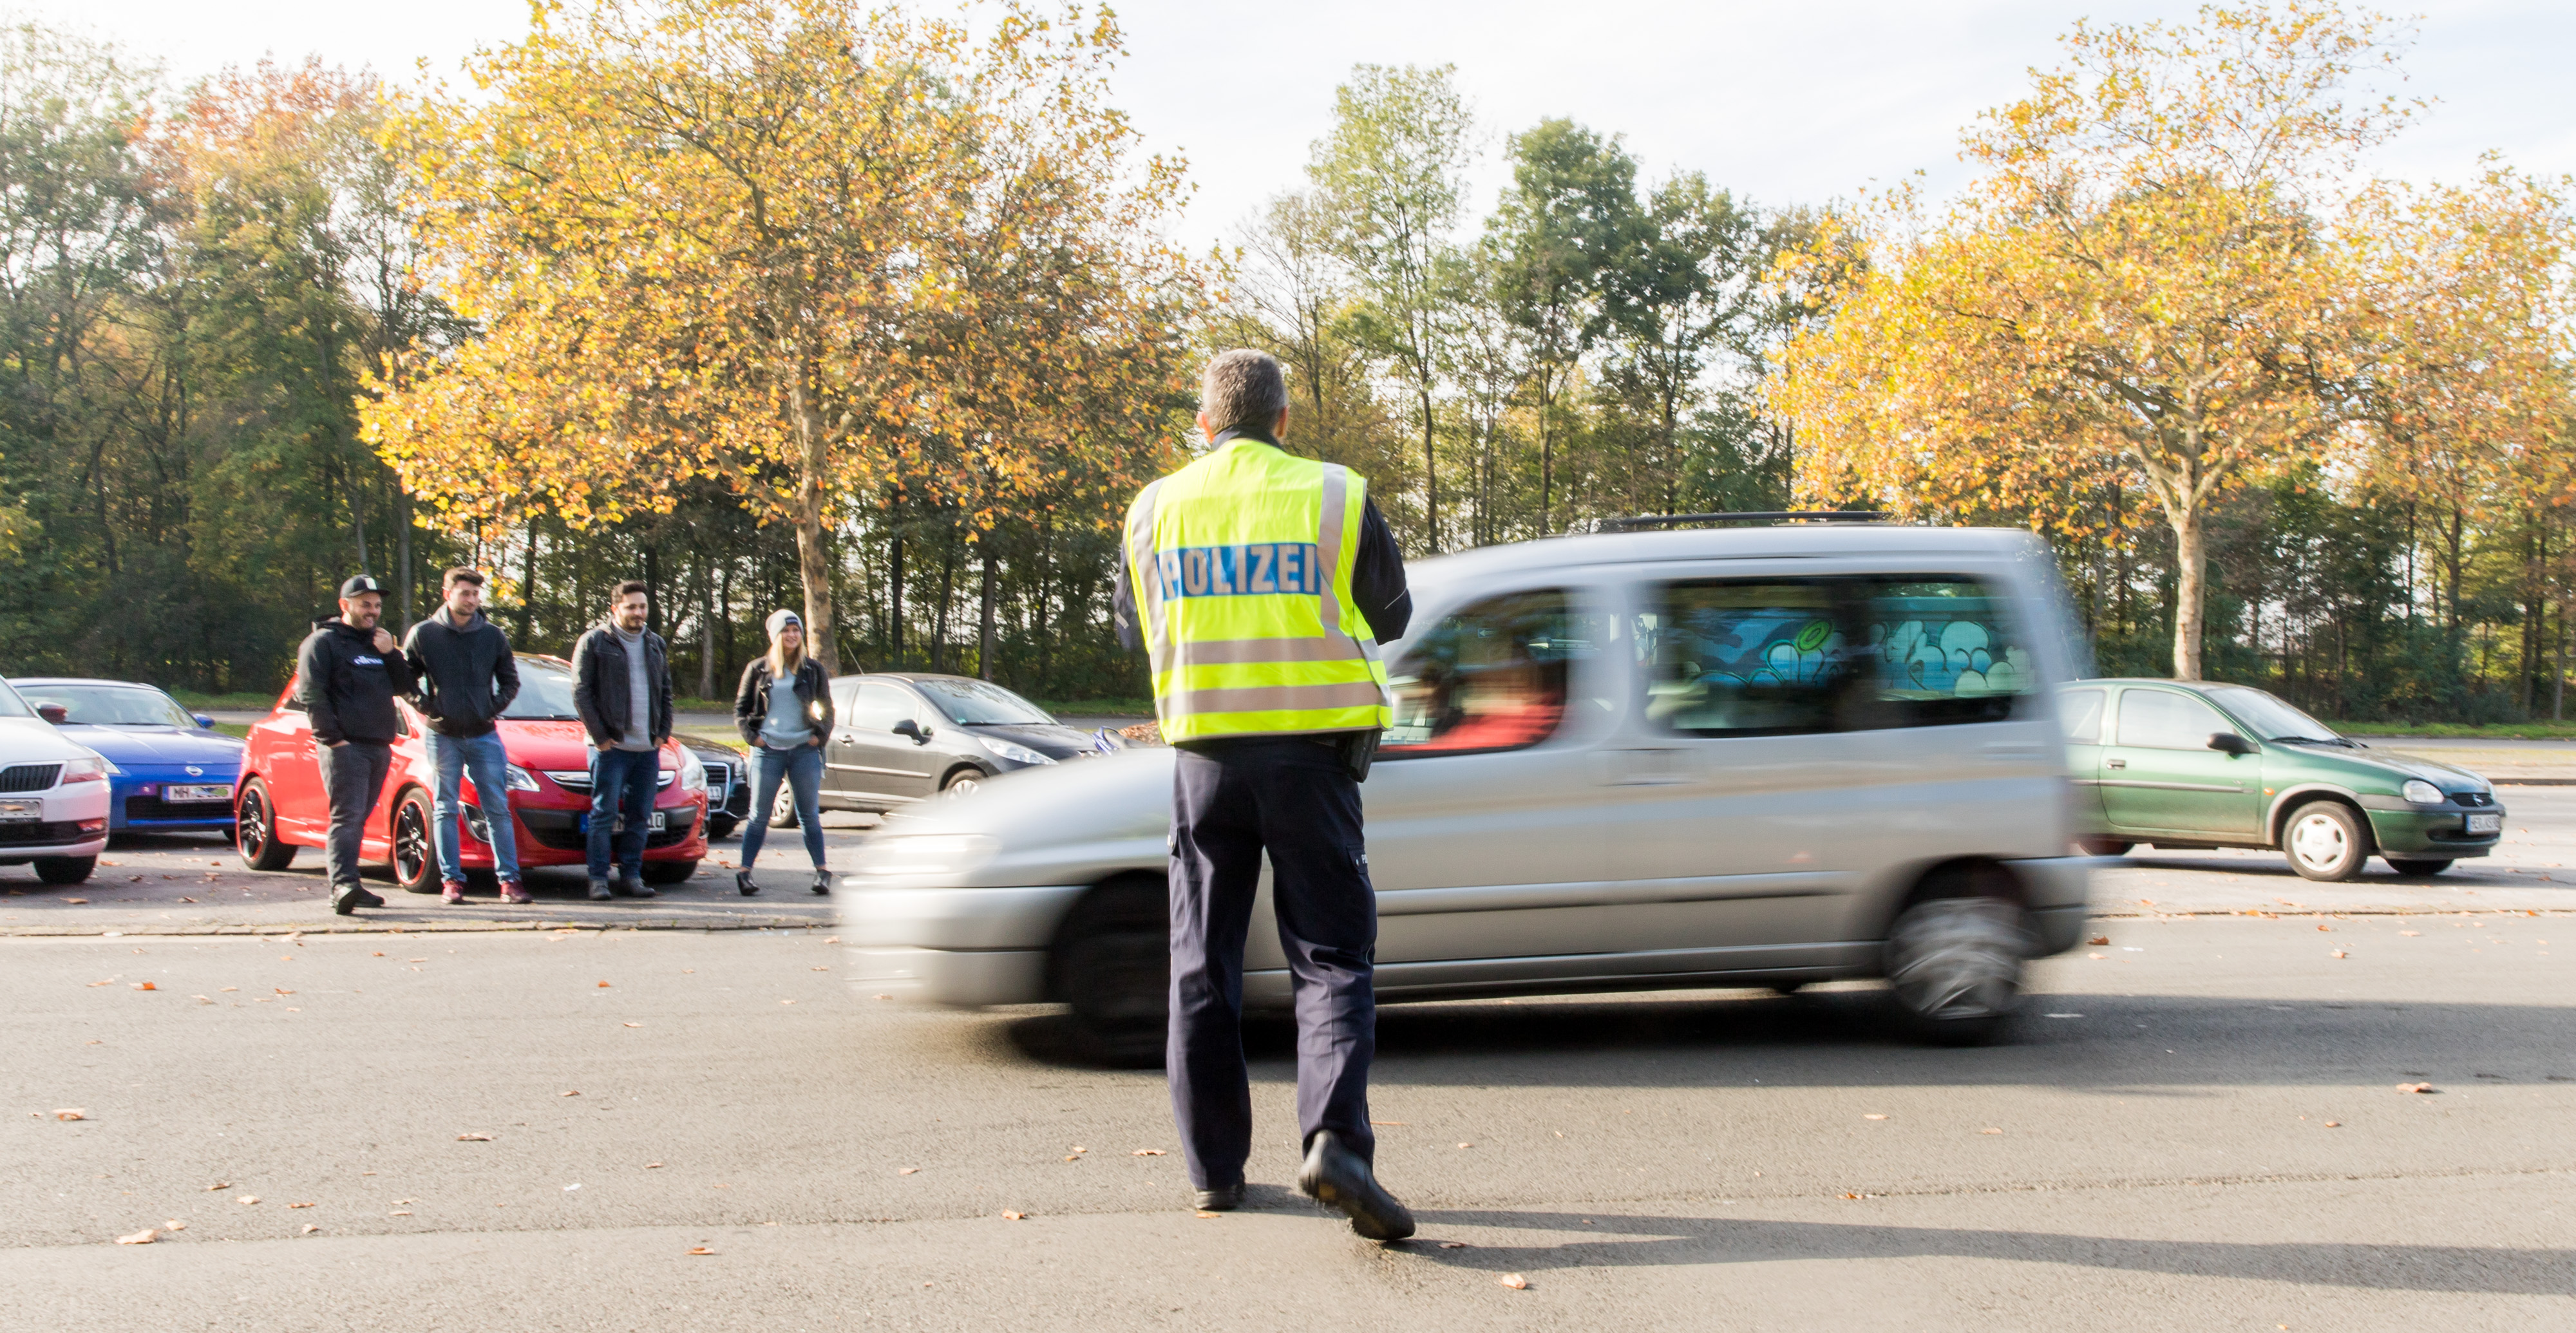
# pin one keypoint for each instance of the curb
(438, 928)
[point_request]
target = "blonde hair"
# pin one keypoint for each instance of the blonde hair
(782, 666)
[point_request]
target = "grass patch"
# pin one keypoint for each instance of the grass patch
(1097, 707)
(241, 700)
(2498, 731)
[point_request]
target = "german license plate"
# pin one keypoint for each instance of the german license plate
(2486, 823)
(652, 825)
(22, 810)
(206, 792)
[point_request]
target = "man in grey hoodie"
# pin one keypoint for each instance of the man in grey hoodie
(621, 685)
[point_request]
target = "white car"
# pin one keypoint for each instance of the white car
(53, 796)
(1759, 757)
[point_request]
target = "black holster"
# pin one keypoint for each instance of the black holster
(1358, 749)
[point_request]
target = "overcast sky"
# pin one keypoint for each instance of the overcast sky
(1780, 102)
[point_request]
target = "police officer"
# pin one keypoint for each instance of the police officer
(346, 676)
(1261, 583)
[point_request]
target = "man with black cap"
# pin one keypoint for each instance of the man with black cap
(346, 677)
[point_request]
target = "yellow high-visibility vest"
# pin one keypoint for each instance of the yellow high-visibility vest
(1242, 563)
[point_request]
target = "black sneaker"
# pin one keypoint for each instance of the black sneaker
(344, 903)
(1222, 1200)
(1336, 1177)
(366, 899)
(742, 881)
(822, 881)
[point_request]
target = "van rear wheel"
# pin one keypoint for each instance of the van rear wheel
(1955, 965)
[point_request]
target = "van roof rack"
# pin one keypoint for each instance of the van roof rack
(1743, 516)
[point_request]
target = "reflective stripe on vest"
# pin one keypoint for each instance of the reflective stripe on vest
(1242, 565)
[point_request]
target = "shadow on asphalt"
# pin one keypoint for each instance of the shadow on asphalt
(1693, 1240)
(2139, 1045)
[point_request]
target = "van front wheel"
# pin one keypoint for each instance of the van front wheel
(1955, 965)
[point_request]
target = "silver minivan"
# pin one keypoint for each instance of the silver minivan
(1637, 761)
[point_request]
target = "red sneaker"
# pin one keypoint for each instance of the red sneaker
(513, 892)
(452, 891)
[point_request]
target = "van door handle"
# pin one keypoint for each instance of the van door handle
(2115, 763)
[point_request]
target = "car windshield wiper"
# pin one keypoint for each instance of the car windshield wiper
(2315, 740)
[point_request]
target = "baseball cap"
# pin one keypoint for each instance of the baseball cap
(359, 583)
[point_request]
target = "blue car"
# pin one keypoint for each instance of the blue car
(174, 772)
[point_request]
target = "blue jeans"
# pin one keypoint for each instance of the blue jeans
(622, 783)
(487, 761)
(803, 769)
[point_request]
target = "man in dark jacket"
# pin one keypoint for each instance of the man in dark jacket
(346, 677)
(467, 677)
(621, 686)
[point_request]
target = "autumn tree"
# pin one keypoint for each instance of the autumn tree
(742, 239)
(2138, 285)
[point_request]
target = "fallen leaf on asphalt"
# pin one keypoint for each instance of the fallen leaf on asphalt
(835, 939)
(219, 1185)
(281, 990)
(1514, 1281)
(247, 1199)
(76, 900)
(822, 969)
(2099, 939)
(787, 1002)
(1079, 1148)
(144, 1237)
(299, 1205)
(187, 900)
(1202, 1215)
(96, 984)
(2334, 1124)
(145, 985)
(71, 1113)
(400, 1202)
(571, 1187)
(201, 999)
(1146, 1152)
(2341, 954)
(1015, 1217)
(635, 1025)
(700, 1249)
(652, 1166)
(473, 1138)
(174, 1224)
(2410, 932)
(1453, 1245)
(574, 1093)
(1990, 1131)
(1466, 1145)
(379, 953)
(309, 1229)
(603, 985)
(1873, 1116)
(909, 1171)
(228, 988)
(2097, 955)
(2417, 1087)
(1073, 1157)
(399, 1212)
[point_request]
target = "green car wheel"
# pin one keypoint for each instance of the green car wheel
(2326, 841)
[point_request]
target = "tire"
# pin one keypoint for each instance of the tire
(2104, 846)
(1955, 965)
(963, 782)
(720, 826)
(2326, 841)
(255, 831)
(782, 809)
(668, 872)
(1112, 963)
(415, 858)
(2411, 866)
(65, 869)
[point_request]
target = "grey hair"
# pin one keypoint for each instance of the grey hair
(1245, 391)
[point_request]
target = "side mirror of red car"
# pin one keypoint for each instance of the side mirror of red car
(54, 713)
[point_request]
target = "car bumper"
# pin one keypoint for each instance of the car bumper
(2433, 834)
(552, 837)
(2056, 897)
(136, 806)
(72, 822)
(952, 946)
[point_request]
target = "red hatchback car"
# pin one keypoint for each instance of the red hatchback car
(279, 807)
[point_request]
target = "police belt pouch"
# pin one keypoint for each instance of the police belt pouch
(1358, 749)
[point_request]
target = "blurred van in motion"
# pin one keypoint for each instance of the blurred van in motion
(1758, 756)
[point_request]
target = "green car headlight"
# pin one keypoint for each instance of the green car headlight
(2423, 793)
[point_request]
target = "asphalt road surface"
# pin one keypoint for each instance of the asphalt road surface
(2199, 1126)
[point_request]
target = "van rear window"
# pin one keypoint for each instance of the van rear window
(1732, 657)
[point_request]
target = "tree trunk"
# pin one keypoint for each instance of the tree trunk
(528, 589)
(2190, 572)
(1430, 473)
(707, 632)
(894, 605)
(984, 629)
(813, 559)
(402, 557)
(947, 598)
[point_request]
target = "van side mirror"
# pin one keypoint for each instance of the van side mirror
(908, 727)
(2228, 742)
(54, 713)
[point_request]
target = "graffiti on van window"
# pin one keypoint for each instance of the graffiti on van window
(1767, 648)
(1961, 657)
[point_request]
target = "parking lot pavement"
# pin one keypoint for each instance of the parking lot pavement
(196, 884)
(2202, 1128)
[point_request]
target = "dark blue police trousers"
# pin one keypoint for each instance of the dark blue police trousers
(1232, 800)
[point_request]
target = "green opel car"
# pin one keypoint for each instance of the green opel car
(2193, 764)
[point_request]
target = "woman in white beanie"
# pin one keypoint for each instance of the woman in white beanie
(784, 709)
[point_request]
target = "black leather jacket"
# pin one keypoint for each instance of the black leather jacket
(599, 685)
(751, 702)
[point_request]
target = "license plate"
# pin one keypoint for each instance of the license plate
(207, 792)
(2486, 823)
(22, 810)
(653, 825)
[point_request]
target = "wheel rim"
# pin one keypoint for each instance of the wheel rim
(2319, 842)
(963, 786)
(783, 808)
(252, 833)
(411, 844)
(1957, 958)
